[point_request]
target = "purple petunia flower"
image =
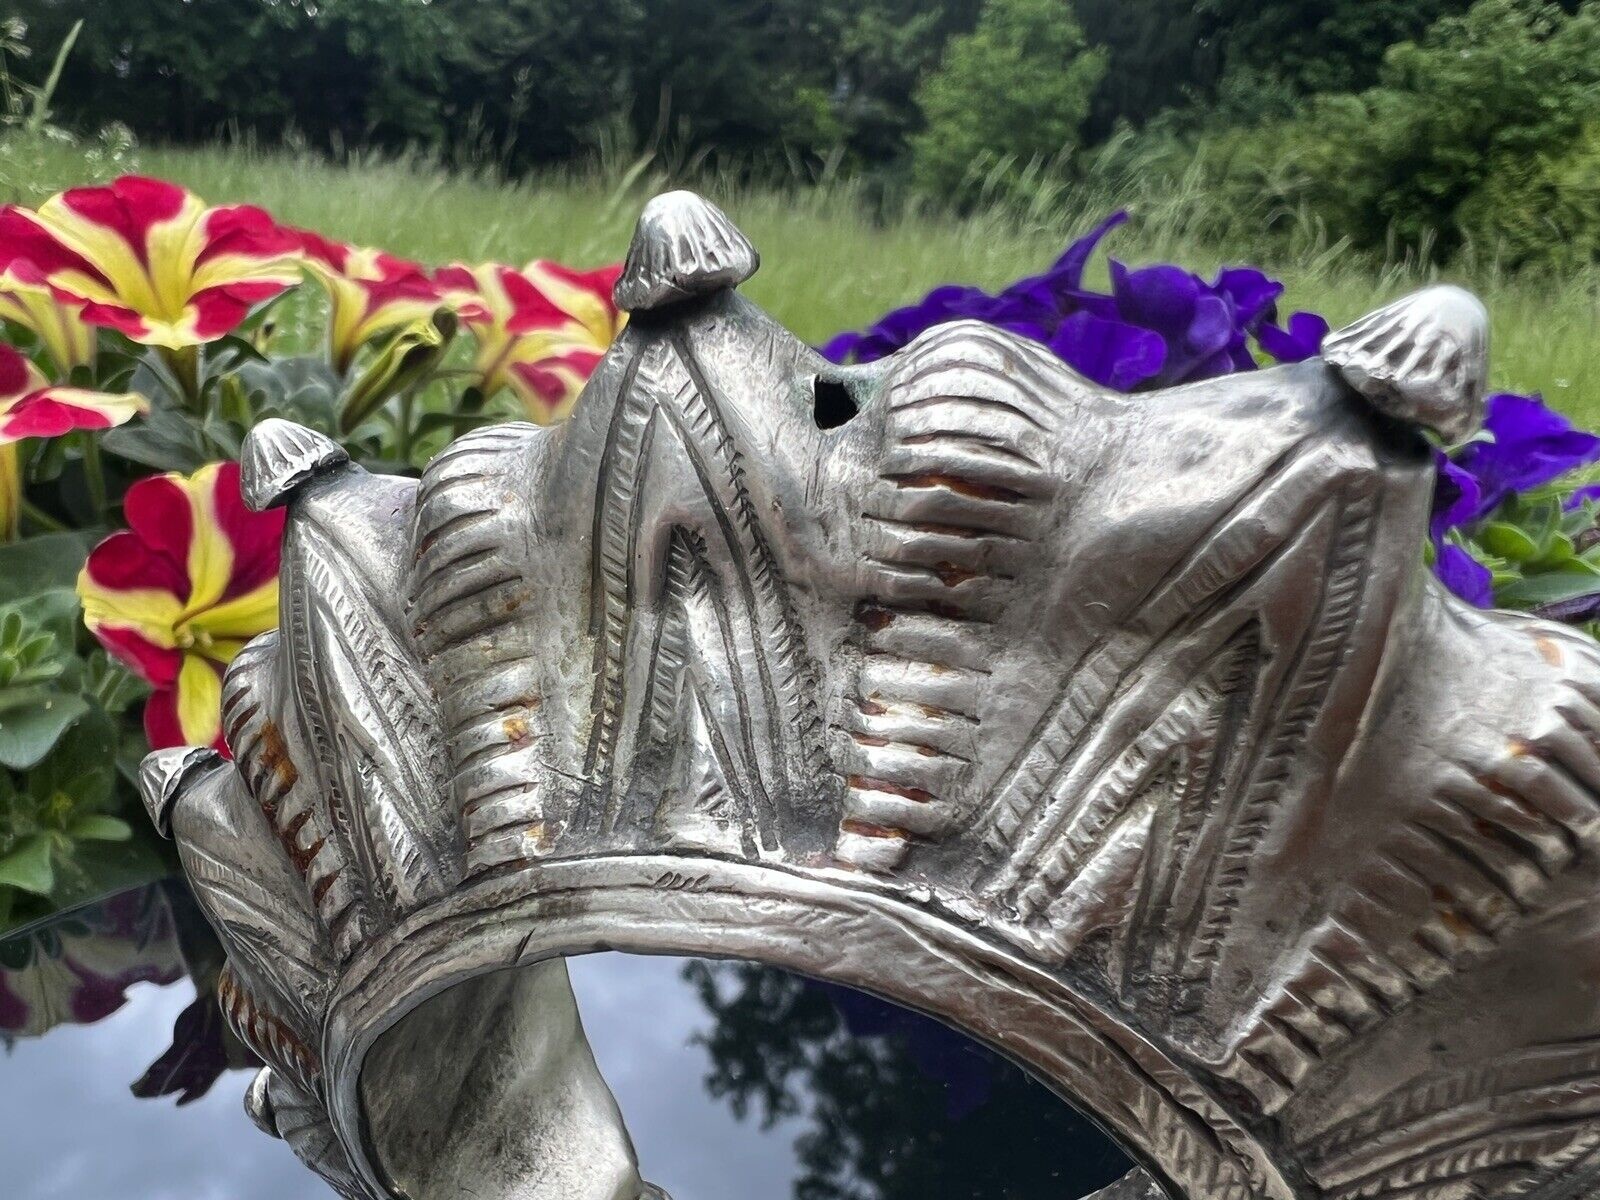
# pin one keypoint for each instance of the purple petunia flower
(1033, 307)
(1530, 446)
(1457, 496)
(1581, 496)
(1297, 340)
(1456, 501)
(1205, 326)
(900, 327)
(1159, 325)
(1463, 574)
(1112, 353)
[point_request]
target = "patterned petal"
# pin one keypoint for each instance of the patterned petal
(26, 240)
(585, 296)
(157, 665)
(153, 262)
(369, 293)
(189, 713)
(540, 332)
(51, 412)
(132, 602)
(161, 521)
(27, 299)
(218, 565)
(18, 376)
(194, 577)
(254, 537)
(549, 385)
(238, 619)
(29, 407)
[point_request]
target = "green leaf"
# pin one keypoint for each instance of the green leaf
(405, 360)
(302, 389)
(95, 869)
(230, 352)
(81, 770)
(28, 867)
(37, 564)
(54, 611)
(1509, 541)
(97, 827)
(1557, 554)
(29, 732)
(112, 685)
(1533, 590)
(132, 748)
(48, 461)
(166, 439)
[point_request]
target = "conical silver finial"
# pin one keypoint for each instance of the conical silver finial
(164, 775)
(1423, 359)
(684, 246)
(278, 456)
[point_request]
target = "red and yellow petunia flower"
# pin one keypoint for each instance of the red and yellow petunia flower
(27, 299)
(179, 592)
(31, 408)
(151, 260)
(540, 332)
(369, 293)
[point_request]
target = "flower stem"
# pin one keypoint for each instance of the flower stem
(43, 519)
(404, 429)
(94, 472)
(185, 364)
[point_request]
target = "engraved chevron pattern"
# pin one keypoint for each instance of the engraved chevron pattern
(1493, 848)
(1127, 732)
(1516, 1117)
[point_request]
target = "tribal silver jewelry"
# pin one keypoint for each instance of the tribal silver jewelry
(1129, 734)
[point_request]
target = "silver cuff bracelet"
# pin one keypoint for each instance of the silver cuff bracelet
(1128, 734)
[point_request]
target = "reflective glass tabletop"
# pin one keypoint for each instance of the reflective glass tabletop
(118, 1082)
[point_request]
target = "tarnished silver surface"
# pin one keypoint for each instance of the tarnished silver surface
(1127, 733)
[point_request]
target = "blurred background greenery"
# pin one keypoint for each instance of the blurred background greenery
(876, 148)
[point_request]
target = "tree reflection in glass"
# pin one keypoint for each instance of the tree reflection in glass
(899, 1106)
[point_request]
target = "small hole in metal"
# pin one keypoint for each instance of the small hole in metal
(832, 404)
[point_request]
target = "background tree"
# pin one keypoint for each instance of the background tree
(1317, 45)
(1494, 92)
(1011, 94)
(885, 48)
(528, 82)
(1160, 54)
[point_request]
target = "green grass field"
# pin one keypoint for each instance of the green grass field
(827, 265)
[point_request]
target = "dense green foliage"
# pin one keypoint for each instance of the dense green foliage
(1478, 138)
(1318, 45)
(514, 82)
(1013, 92)
(1495, 91)
(67, 758)
(1430, 127)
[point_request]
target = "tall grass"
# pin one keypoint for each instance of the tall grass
(833, 258)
